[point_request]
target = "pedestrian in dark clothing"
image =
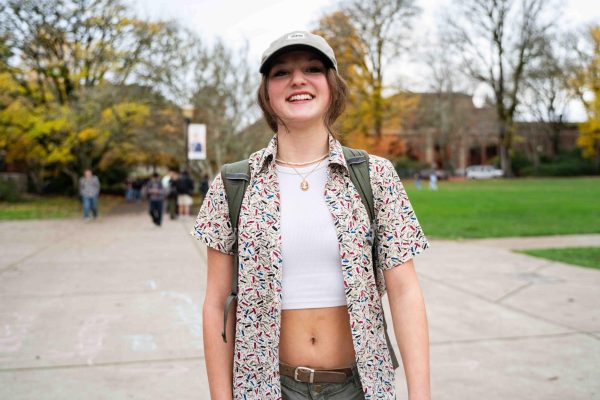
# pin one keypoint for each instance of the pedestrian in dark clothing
(204, 184)
(185, 188)
(156, 195)
(172, 195)
(136, 186)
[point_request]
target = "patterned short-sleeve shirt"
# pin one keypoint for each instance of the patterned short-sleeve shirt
(258, 314)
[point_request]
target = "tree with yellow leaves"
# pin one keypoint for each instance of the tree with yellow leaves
(366, 38)
(585, 82)
(66, 101)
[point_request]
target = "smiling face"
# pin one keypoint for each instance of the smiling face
(297, 88)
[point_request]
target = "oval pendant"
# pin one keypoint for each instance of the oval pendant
(304, 185)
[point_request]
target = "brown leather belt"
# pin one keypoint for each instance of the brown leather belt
(310, 375)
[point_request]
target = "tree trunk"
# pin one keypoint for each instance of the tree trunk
(504, 133)
(555, 140)
(377, 112)
(74, 179)
(36, 181)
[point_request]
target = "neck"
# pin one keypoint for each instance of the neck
(302, 145)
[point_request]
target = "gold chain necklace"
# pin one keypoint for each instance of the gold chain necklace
(304, 184)
(303, 163)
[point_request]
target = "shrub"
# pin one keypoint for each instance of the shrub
(407, 167)
(520, 164)
(9, 191)
(568, 163)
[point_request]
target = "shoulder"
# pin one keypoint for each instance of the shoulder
(379, 162)
(380, 168)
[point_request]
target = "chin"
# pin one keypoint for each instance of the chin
(304, 120)
(304, 116)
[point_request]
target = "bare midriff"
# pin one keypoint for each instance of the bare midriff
(316, 338)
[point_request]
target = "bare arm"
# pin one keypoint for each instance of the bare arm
(411, 328)
(218, 355)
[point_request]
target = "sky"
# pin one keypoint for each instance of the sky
(258, 22)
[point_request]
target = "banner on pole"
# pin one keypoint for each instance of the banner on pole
(197, 142)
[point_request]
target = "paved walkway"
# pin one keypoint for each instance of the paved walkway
(111, 310)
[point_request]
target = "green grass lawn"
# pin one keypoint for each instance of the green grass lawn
(508, 207)
(52, 207)
(466, 209)
(584, 256)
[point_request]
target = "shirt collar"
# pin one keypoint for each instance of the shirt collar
(336, 154)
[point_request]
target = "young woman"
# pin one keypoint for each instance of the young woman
(309, 319)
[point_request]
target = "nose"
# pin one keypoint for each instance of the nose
(298, 77)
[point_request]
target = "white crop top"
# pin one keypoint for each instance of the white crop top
(312, 271)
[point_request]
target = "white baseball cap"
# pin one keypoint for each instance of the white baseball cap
(297, 39)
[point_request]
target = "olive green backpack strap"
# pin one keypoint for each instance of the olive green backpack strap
(358, 166)
(235, 179)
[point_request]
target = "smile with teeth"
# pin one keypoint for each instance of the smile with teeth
(300, 97)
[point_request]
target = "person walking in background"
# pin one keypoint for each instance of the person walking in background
(89, 189)
(156, 195)
(129, 190)
(433, 181)
(136, 187)
(165, 180)
(172, 195)
(204, 184)
(418, 181)
(185, 188)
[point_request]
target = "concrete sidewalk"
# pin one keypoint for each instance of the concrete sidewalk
(112, 310)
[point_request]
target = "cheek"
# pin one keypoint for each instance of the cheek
(324, 89)
(274, 93)
(273, 90)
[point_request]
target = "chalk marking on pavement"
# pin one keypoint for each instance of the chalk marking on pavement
(189, 313)
(91, 335)
(14, 328)
(142, 343)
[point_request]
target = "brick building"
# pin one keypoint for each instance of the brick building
(447, 130)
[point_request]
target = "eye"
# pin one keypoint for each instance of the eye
(315, 69)
(278, 72)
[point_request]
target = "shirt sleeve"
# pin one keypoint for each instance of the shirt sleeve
(399, 234)
(212, 225)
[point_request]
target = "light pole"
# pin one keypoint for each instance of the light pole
(188, 114)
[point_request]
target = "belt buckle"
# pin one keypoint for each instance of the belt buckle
(305, 369)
